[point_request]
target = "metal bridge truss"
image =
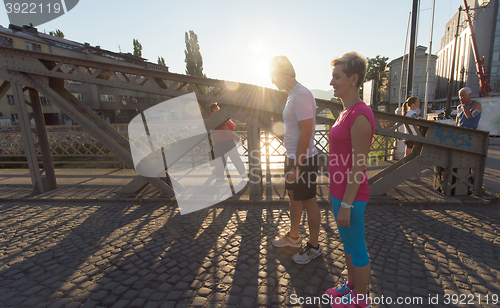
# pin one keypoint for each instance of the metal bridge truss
(457, 154)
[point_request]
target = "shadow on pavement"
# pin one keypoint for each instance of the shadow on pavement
(151, 256)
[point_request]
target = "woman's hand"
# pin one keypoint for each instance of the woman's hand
(344, 217)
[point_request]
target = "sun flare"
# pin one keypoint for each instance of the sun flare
(262, 67)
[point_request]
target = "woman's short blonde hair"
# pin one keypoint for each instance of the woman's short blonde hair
(354, 63)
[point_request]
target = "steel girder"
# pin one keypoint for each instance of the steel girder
(458, 153)
(454, 150)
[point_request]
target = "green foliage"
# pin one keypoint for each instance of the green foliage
(137, 48)
(376, 71)
(161, 61)
(377, 148)
(57, 33)
(194, 66)
(194, 61)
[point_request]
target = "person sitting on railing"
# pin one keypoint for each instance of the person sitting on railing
(411, 108)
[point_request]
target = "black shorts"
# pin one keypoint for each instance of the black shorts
(305, 187)
(409, 144)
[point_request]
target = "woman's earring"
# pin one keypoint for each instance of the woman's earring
(353, 84)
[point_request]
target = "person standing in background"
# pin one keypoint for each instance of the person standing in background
(469, 111)
(411, 109)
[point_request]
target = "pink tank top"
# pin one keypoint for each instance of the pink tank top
(340, 162)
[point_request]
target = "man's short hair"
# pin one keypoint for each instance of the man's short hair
(466, 90)
(354, 63)
(213, 106)
(281, 66)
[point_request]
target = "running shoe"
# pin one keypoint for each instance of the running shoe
(350, 300)
(339, 291)
(287, 241)
(307, 254)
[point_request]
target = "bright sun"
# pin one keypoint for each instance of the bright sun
(262, 67)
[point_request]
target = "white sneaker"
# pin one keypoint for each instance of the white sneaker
(307, 254)
(287, 241)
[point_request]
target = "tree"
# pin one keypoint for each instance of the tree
(137, 48)
(376, 71)
(194, 67)
(161, 61)
(57, 33)
(194, 61)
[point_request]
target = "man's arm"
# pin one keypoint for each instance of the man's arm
(306, 130)
(468, 112)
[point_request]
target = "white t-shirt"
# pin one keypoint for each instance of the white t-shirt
(300, 105)
(414, 115)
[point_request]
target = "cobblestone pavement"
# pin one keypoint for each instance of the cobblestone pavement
(124, 255)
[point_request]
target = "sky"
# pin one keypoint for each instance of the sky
(238, 37)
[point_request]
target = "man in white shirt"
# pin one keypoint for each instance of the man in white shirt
(301, 162)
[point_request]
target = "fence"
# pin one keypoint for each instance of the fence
(73, 147)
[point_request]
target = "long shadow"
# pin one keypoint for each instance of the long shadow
(471, 239)
(171, 258)
(62, 257)
(30, 222)
(222, 256)
(195, 255)
(307, 283)
(430, 252)
(398, 263)
(252, 279)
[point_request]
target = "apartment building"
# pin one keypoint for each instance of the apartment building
(113, 105)
(397, 81)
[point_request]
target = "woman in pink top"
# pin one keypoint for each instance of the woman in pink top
(350, 139)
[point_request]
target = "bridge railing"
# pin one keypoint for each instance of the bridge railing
(458, 154)
(74, 147)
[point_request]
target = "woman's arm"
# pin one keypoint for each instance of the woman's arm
(361, 133)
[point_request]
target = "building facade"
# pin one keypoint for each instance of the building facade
(113, 105)
(396, 86)
(486, 27)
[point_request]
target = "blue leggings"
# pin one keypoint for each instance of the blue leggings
(354, 237)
